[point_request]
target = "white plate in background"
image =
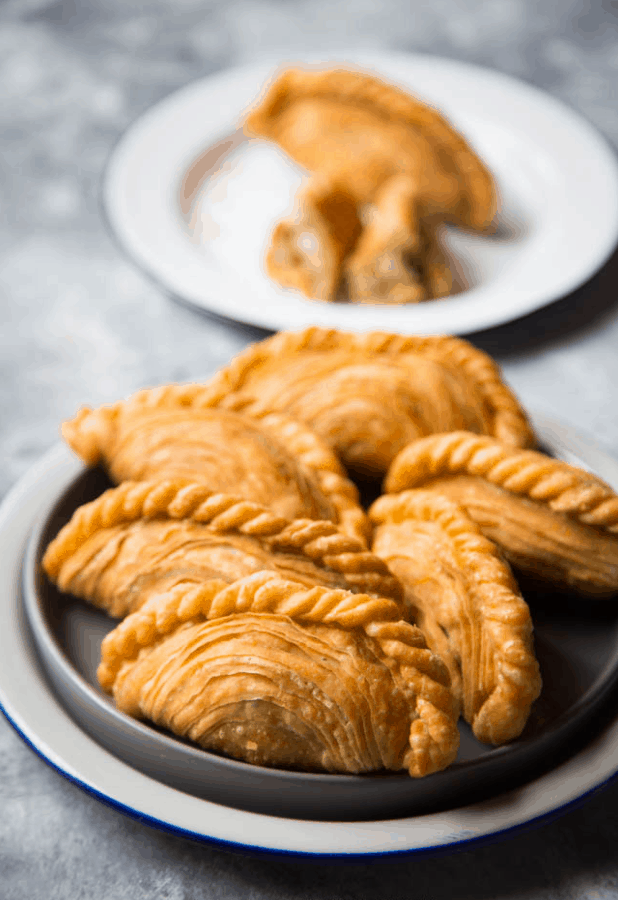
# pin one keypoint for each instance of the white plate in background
(193, 202)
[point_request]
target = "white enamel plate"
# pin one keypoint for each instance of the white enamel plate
(33, 709)
(193, 202)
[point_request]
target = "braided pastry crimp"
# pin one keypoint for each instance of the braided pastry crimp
(90, 431)
(319, 541)
(510, 422)
(562, 487)
(433, 739)
(496, 699)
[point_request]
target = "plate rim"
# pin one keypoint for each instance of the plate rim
(61, 674)
(434, 850)
(123, 221)
(593, 767)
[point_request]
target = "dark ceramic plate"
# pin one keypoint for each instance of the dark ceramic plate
(576, 643)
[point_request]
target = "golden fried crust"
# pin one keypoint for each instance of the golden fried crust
(551, 519)
(380, 269)
(307, 250)
(434, 265)
(269, 458)
(141, 538)
(396, 263)
(276, 674)
(367, 395)
(465, 600)
(367, 131)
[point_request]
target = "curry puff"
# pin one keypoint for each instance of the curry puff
(277, 674)
(368, 395)
(463, 596)
(172, 432)
(397, 258)
(144, 538)
(367, 145)
(552, 520)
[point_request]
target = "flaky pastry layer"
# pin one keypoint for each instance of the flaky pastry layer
(175, 431)
(141, 538)
(465, 600)
(556, 521)
(368, 395)
(274, 673)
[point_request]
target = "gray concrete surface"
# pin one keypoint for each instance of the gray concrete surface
(79, 323)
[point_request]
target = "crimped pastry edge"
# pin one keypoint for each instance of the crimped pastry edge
(225, 388)
(563, 488)
(88, 431)
(317, 540)
(511, 424)
(433, 738)
(487, 574)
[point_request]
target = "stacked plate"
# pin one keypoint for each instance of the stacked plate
(49, 650)
(193, 203)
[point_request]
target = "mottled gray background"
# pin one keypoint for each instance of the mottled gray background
(79, 323)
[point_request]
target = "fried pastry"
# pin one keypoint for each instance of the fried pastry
(434, 265)
(382, 149)
(552, 520)
(143, 538)
(173, 432)
(362, 131)
(307, 250)
(368, 395)
(464, 598)
(386, 265)
(270, 672)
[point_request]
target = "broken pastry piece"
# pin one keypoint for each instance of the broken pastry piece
(307, 250)
(381, 148)
(436, 269)
(554, 521)
(172, 432)
(143, 538)
(272, 673)
(368, 395)
(381, 267)
(465, 600)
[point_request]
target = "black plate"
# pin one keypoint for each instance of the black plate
(576, 644)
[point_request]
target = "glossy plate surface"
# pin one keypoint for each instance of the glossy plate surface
(36, 712)
(193, 202)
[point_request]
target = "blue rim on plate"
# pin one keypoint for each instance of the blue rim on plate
(160, 825)
(578, 675)
(37, 716)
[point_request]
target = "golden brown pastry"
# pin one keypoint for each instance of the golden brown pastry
(379, 146)
(368, 395)
(143, 538)
(465, 600)
(307, 250)
(550, 519)
(173, 432)
(434, 266)
(363, 131)
(388, 259)
(273, 673)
